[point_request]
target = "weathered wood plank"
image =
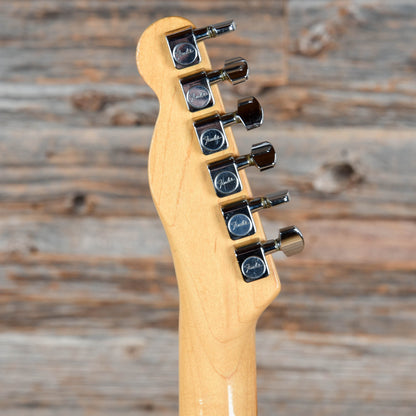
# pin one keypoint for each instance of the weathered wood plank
(82, 105)
(376, 242)
(135, 373)
(331, 173)
(92, 40)
(352, 63)
(363, 75)
(315, 298)
(71, 273)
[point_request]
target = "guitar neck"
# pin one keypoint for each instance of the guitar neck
(215, 378)
(205, 204)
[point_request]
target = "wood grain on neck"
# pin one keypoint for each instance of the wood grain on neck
(218, 310)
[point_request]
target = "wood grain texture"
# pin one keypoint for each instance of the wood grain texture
(365, 374)
(85, 272)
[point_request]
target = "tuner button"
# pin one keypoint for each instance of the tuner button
(236, 70)
(214, 30)
(263, 155)
(249, 112)
(268, 201)
(291, 241)
(223, 27)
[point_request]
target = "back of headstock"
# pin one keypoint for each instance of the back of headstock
(206, 206)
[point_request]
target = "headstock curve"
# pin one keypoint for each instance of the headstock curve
(207, 271)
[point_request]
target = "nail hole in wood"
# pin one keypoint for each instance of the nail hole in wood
(336, 177)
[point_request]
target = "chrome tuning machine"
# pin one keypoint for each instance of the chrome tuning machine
(252, 258)
(183, 44)
(210, 130)
(238, 215)
(196, 87)
(224, 173)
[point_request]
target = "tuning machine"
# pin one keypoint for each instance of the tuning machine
(197, 87)
(238, 215)
(210, 130)
(252, 258)
(183, 44)
(224, 173)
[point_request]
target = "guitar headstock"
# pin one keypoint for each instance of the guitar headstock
(198, 183)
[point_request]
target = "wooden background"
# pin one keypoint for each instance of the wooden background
(88, 298)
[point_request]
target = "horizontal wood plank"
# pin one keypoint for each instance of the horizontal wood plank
(360, 74)
(50, 377)
(331, 173)
(83, 41)
(61, 282)
(350, 63)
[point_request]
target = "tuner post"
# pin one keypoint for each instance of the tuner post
(183, 44)
(252, 258)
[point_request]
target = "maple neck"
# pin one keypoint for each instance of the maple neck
(205, 205)
(216, 378)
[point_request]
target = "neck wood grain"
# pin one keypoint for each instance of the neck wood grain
(218, 310)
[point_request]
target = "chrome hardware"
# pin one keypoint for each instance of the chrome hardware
(196, 88)
(235, 70)
(210, 130)
(269, 201)
(224, 173)
(262, 155)
(238, 216)
(252, 258)
(183, 45)
(290, 242)
(225, 177)
(214, 30)
(249, 113)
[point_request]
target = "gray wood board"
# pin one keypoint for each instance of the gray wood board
(361, 71)
(332, 173)
(135, 373)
